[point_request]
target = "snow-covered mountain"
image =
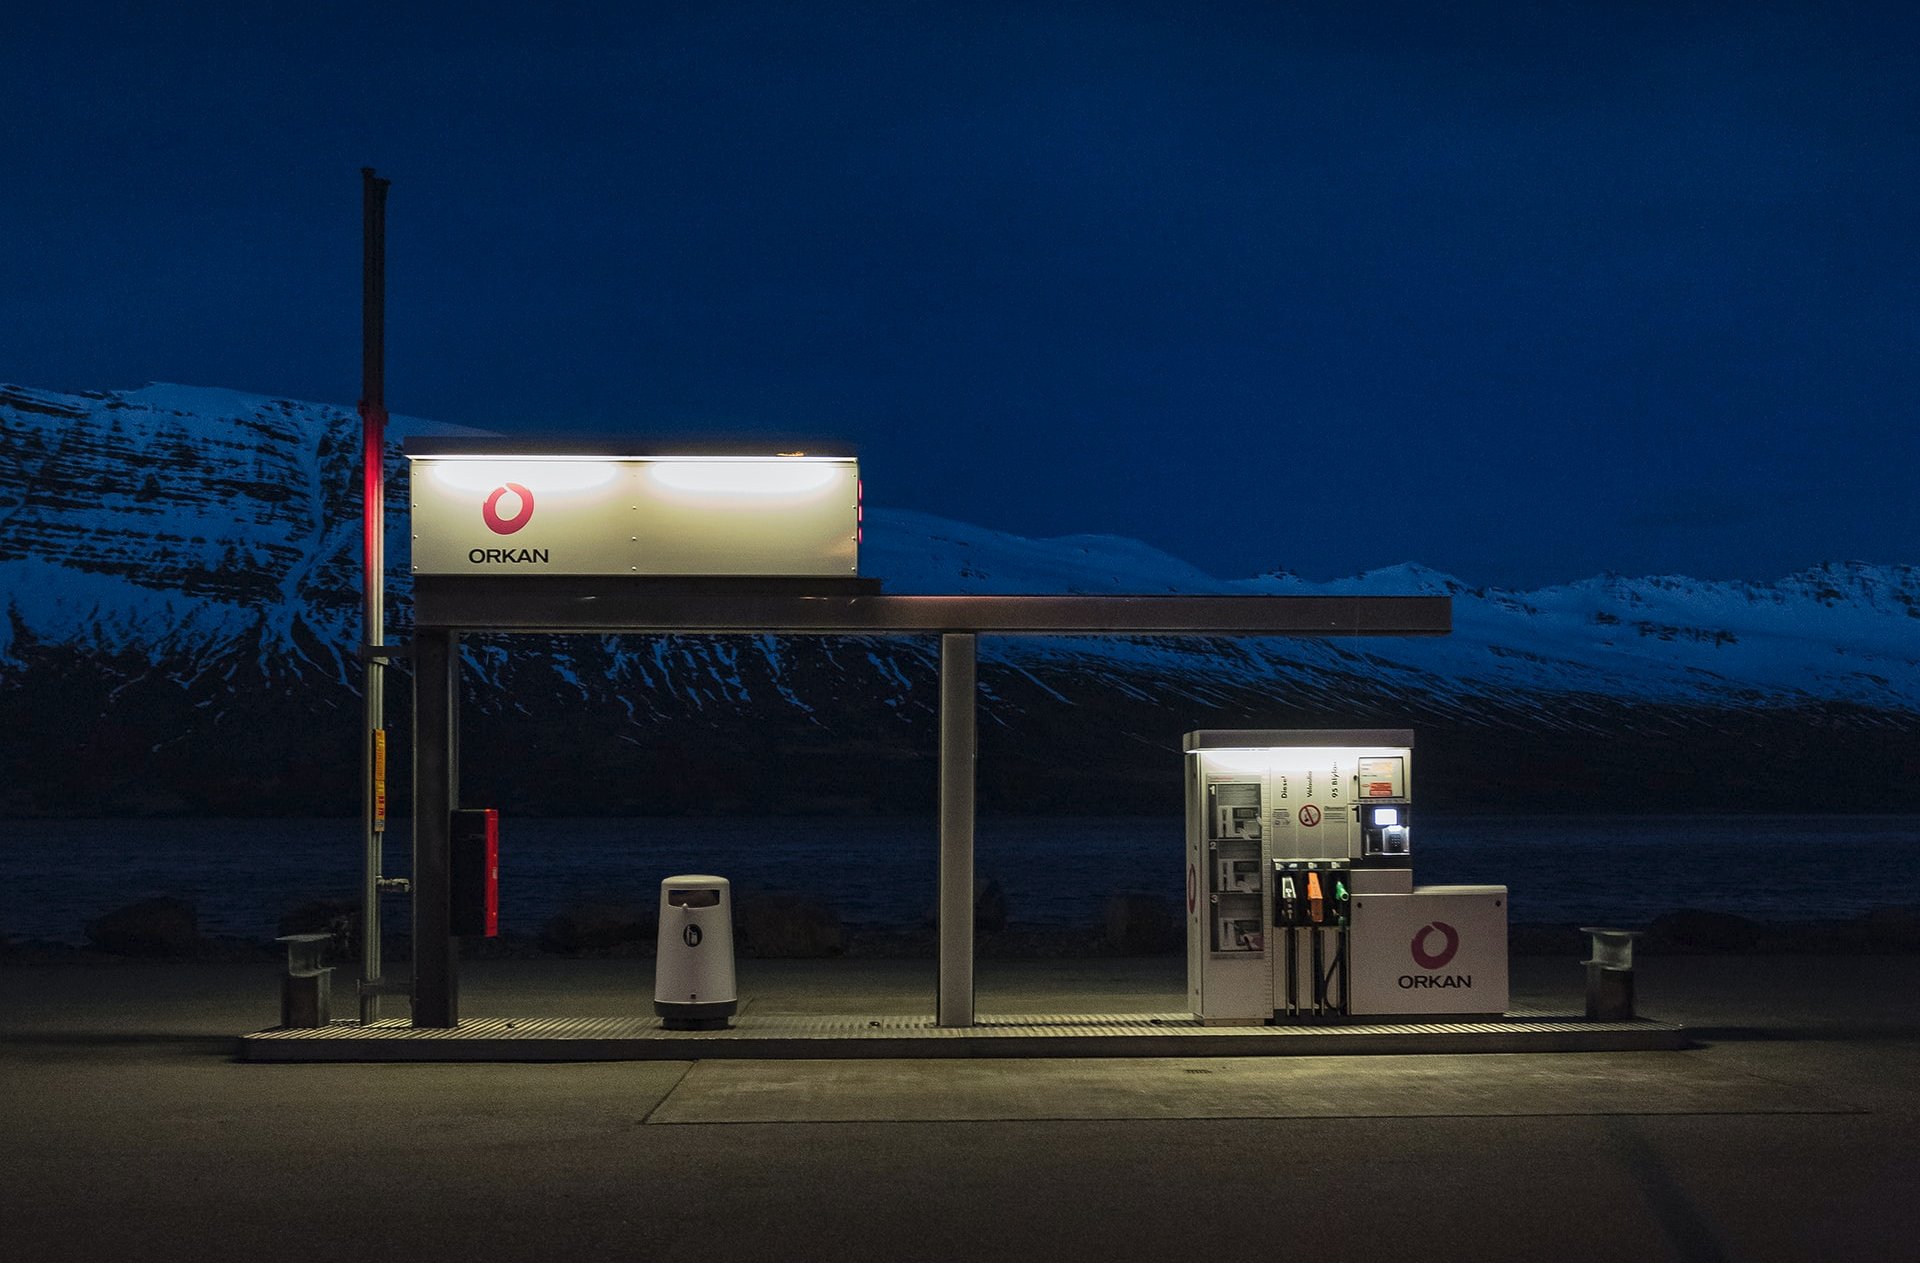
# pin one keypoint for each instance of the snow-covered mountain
(178, 571)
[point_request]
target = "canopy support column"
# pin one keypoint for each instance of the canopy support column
(954, 999)
(436, 792)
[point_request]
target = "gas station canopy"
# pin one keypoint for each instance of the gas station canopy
(692, 537)
(696, 536)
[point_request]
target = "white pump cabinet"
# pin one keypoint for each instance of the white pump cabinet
(1301, 905)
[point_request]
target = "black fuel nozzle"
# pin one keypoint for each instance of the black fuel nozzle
(1287, 902)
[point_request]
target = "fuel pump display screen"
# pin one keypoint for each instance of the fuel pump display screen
(1383, 777)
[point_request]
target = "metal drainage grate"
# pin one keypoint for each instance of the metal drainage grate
(802, 1026)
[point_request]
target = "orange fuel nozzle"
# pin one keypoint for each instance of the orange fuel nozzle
(1316, 902)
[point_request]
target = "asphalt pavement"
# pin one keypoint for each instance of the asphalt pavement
(128, 1131)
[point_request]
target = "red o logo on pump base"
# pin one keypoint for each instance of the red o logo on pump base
(1449, 944)
(490, 511)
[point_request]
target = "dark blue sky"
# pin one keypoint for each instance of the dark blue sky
(1523, 292)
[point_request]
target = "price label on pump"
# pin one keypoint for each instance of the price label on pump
(380, 778)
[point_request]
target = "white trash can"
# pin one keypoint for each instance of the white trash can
(693, 987)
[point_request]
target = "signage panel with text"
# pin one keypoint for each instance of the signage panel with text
(770, 516)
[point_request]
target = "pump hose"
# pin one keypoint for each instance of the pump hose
(1333, 968)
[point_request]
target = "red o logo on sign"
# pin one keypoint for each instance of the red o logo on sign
(1449, 944)
(490, 511)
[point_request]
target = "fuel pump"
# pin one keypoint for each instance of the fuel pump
(1311, 902)
(1286, 828)
(1301, 905)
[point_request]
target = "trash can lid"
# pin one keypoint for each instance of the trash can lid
(692, 882)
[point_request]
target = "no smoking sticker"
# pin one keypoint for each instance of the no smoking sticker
(1309, 816)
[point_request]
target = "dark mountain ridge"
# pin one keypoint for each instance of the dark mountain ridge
(178, 573)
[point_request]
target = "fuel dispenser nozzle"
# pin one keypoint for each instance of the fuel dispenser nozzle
(1340, 902)
(1289, 901)
(1316, 901)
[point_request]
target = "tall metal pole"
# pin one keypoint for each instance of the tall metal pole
(373, 484)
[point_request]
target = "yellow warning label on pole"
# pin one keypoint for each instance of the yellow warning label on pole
(380, 778)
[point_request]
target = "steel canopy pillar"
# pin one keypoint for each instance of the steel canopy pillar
(954, 999)
(436, 790)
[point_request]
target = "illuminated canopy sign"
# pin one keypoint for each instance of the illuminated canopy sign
(499, 510)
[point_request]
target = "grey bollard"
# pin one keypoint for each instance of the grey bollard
(1610, 974)
(306, 989)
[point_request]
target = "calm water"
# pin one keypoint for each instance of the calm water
(54, 875)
